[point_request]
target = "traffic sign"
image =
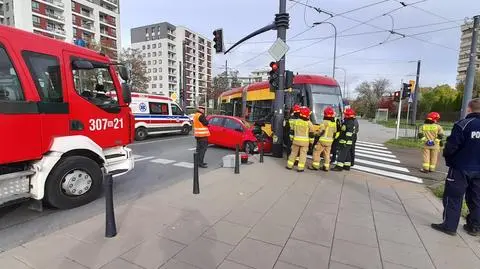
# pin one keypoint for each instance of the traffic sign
(278, 49)
(174, 96)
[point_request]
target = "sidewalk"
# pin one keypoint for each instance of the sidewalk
(266, 217)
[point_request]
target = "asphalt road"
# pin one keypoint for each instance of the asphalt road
(173, 155)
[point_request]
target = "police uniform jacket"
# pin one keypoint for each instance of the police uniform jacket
(462, 150)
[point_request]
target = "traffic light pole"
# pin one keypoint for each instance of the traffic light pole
(399, 112)
(467, 95)
(278, 106)
(415, 94)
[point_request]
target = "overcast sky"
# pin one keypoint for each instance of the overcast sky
(393, 59)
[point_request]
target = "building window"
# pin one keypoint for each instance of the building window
(149, 70)
(154, 70)
(160, 85)
(154, 61)
(160, 62)
(36, 21)
(35, 5)
(160, 77)
(149, 62)
(154, 78)
(8, 20)
(143, 47)
(149, 54)
(154, 54)
(159, 45)
(160, 70)
(148, 46)
(154, 86)
(144, 55)
(7, 6)
(154, 46)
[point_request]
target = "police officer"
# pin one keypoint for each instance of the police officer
(302, 132)
(201, 134)
(431, 135)
(345, 141)
(462, 157)
(323, 142)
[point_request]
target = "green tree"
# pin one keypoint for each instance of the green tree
(441, 98)
(133, 59)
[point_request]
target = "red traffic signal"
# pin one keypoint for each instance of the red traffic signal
(274, 66)
(396, 96)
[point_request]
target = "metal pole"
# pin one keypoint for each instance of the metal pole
(261, 148)
(344, 95)
(334, 44)
(416, 93)
(408, 113)
(278, 117)
(399, 111)
(196, 185)
(467, 95)
(110, 225)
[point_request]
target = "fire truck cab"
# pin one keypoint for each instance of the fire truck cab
(59, 130)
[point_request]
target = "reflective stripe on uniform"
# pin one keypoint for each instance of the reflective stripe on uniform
(199, 130)
(348, 164)
(426, 165)
(316, 164)
(340, 164)
(349, 142)
(349, 134)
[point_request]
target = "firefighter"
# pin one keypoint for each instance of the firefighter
(201, 133)
(345, 141)
(289, 126)
(302, 137)
(334, 150)
(463, 178)
(323, 142)
(431, 135)
(354, 140)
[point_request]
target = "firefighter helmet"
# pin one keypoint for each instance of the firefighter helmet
(305, 112)
(349, 113)
(329, 112)
(296, 108)
(433, 116)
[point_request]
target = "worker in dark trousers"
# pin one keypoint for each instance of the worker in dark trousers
(345, 141)
(201, 133)
(354, 140)
(463, 159)
(289, 124)
(334, 151)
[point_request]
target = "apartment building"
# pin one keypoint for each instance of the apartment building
(169, 51)
(464, 55)
(67, 20)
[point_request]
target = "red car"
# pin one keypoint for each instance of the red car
(228, 131)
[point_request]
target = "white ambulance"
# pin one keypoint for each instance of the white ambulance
(158, 114)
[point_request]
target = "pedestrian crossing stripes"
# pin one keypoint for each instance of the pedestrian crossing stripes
(371, 146)
(140, 158)
(362, 150)
(377, 157)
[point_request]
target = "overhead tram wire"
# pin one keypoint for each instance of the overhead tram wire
(428, 12)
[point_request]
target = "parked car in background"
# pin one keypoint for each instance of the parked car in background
(228, 131)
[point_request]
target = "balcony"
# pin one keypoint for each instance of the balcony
(55, 16)
(53, 3)
(86, 15)
(108, 33)
(108, 21)
(2, 13)
(112, 2)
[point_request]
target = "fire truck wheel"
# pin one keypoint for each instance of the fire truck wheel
(186, 129)
(74, 181)
(141, 134)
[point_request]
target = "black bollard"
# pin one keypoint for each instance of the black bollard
(110, 225)
(237, 159)
(261, 152)
(196, 185)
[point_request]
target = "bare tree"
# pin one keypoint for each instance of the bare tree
(133, 59)
(369, 95)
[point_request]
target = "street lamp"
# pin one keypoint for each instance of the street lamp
(335, 44)
(344, 80)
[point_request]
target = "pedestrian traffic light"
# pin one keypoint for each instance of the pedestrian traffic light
(396, 96)
(289, 79)
(274, 76)
(218, 40)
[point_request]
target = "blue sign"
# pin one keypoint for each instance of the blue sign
(80, 42)
(143, 107)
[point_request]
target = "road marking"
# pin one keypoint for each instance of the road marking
(162, 161)
(143, 159)
(370, 143)
(192, 149)
(137, 156)
(388, 166)
(160, 140)
(377, 158)
(371, 146)
(387, 174)
(375, 153)
(184, 164)
(373, 150)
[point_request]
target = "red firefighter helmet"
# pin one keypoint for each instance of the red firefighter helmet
(305, 112)
(296, 108)
(329, 112)
(349, 113)
(433, 116)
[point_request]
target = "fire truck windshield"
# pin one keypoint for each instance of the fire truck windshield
(324, 96)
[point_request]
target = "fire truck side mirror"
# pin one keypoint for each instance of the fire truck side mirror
(82, 65)
(124, 74)
(127, 93)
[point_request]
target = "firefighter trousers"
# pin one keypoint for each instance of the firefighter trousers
(320, 148)
(430, 157)
(344, 155)
(334, 151)
(296, 149)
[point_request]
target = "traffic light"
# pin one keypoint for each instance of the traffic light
(274, 76)
(406, 91)
(218, 40)
(289, 79)
(396, 96)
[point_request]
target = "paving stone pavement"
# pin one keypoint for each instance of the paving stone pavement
(266, 217)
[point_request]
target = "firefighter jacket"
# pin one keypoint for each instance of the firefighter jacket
(200, 124)
(463, 145)
(346, 132)
(289, 125)
(327, 132)
(302, 132)
(431, 135)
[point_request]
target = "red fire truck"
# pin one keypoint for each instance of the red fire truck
(60, 131)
